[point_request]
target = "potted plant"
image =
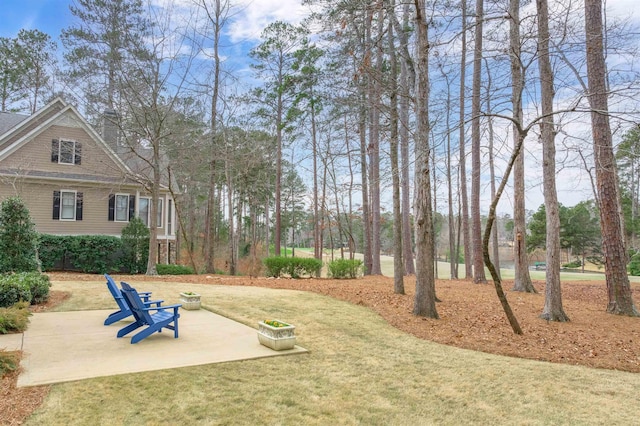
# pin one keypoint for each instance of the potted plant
(190, 300)
(276, 335)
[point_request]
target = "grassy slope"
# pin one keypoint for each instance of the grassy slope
(360, 370)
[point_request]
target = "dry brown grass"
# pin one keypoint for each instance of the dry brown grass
(360, 370)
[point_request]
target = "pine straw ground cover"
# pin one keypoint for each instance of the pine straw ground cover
(471, 318)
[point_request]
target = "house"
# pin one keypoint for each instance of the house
(73, 181)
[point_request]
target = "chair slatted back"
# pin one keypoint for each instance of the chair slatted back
(136, 305)
(117, 295)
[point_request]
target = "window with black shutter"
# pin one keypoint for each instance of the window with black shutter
(132, 206)
(121, 207)
(79, 202)
(77, 159)
(56, 205)
(55, 150)
(67, 205)
(112, 207)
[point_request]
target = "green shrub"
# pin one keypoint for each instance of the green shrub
(32, 287)
(8, 362)
(15, 318)
(13, 289)
(634, 265)
(53, 251)
(572, 265)
(275, 265)
(174, 269)
(295, 267)
(345, 268)
(18, 237)
(97, 254)
(86, 253)
(135, 246)
(38, 284)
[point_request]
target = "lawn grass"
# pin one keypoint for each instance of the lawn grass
(360, 370)
(386, 265)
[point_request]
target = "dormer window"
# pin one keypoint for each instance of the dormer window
(66, 152)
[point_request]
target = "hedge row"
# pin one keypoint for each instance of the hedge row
(345, 268)
(294, 267)
(173, 269)
(88, 253)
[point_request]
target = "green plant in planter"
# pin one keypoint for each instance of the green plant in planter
(277, 324)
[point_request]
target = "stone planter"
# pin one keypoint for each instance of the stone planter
(190, 302)
(276, 338)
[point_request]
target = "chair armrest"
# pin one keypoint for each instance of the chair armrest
(174, 307)
(153, 302)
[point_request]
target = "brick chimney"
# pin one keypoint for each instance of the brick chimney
(110, 129)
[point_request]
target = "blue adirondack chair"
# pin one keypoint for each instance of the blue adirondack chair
(153, 323)
(124, 310)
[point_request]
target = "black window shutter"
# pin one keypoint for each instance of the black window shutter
(132, 206)
(78, 157)
(56, 205)
(55, 149)
(112, 207)
(79, 201)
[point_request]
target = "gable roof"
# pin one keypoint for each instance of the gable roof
(56, 112)
(9, 120)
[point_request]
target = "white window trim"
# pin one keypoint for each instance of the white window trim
(115, 208)
(75, 201)
(73, 157)
(169, 225)
(159, 212)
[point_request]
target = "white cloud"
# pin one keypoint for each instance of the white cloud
(254, 15)
(624, 9)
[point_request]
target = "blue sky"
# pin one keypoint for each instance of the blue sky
(240, 34)
(49, 16)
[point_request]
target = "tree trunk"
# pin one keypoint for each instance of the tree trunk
(374, 148)
(398, 267)
(153, 208)
(366, 220)
(267, 238)
(277, 233)
(466, 234)
(492, 177)
(476, 228)
(453, 254)
(231, 237)
(209, 232)
(317, 248)
(405, 84)
(553, 310)
(522, 279)
(349, 215)
(618, 288)
(425, 296)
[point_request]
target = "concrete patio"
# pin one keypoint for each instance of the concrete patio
(66, 346)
